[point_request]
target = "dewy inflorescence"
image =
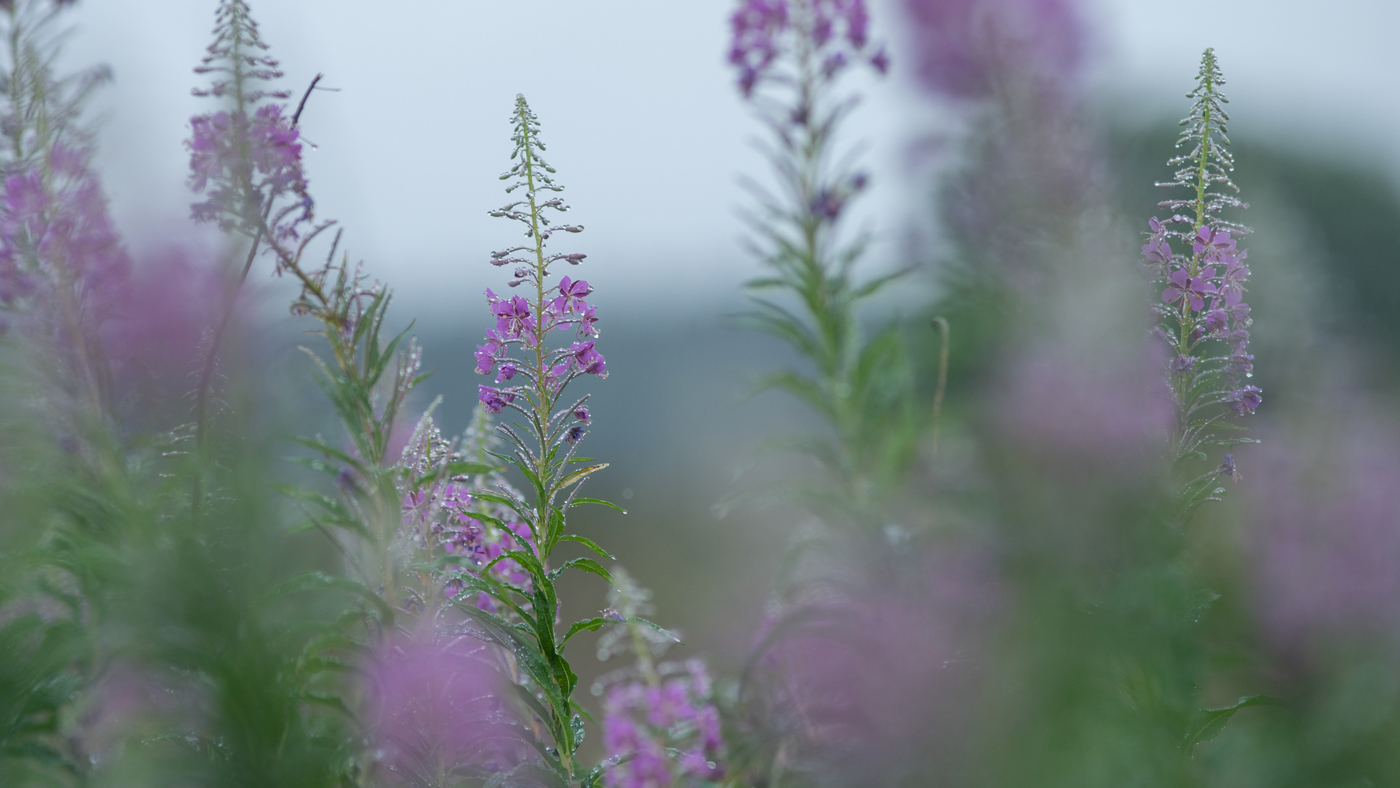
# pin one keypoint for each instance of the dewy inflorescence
(246, 158)
(659, 724)
(524, 324)
(837, 32)
(1203, 317)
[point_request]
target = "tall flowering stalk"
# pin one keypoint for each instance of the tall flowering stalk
(1203, 317)
(245, 160)
(532, 368)
(62, 264)
(659, 726)
(790, 57)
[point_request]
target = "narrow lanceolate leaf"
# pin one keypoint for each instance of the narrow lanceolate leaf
(586, 542)
(1210, 722)
(580, 474)
(586, 625)
(586, 564)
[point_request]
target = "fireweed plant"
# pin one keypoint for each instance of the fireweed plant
(790, 58)
(1203, 317)
(797, 726)
(152, 636)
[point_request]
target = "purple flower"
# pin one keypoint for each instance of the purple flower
(1183, 363)
(1217, 321)
(507, 372)
(1246, 400)
(1235, 274)
(513, 317)
(827, 205)
(589, 361)
(966, 47)
(571, 293)
(486, 358)
(494, 399)
(1239, 363)
(581, 413)
(1227, 469)
(439, 702)
(1188, 289)
(574, 434)
(1212, 244)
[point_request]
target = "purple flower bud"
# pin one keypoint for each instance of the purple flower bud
(1227, 469)
(1246, 400)
(494, 399)
(1216, 322)
(1183, 363)
(581, 413)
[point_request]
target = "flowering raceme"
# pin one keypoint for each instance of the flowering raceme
(55, 235)
(247, 158)
(763, 31)
(660, 727)
(969, 48)
(436, 709)
(1203, 318)
(644, 721)
(245, 164)
(526, 325)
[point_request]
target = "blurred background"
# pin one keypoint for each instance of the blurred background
(650, 137)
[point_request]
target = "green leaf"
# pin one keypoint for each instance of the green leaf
(1210, 722)
(586, 542)
(580, 474)
(600, 502)
(586, 625)
(668, 633)
(586, 564)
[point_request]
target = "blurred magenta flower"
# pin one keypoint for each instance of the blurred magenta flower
(436, 712)
(827, 34)
(646, 724)
(57, 241)
(876, 685)
(967, 49)
(1086, 411)
(1323, 528)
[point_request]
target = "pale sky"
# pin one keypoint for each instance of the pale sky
(641, 117)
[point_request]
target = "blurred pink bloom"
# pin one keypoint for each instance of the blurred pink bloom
(436, 705)
(1085, 412)
(966, 48)
(1323, 533)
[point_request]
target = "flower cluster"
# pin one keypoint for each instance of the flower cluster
(1196, 259)
(245, 164)
(659, 726)
(435, 706)
(647, 721)
(968, 48)
(525, 324)
(248, 157)
(1203, 295)
(833, 33)
(456, 528)
(56, 237)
